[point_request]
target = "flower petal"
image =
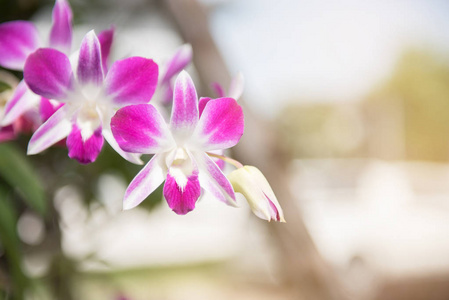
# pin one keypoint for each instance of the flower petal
(250, 182)
(22, 100)
(202, 104)
(84, 150)
(141, 129)
(132, 81)
(184, 115)
(220, 126)
(48, 73)
(178, 62)
(182, 199)
(213, 180)
(57, 127)
(275, 208)
(48, 107)
(145, 182)
(106, 37)
(90, 70)
(61, 29)
(18, 39)
(131, 157)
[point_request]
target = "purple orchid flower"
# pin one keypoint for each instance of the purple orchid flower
(18, 39)
(179, 148)
(91, 97)
(177, 63)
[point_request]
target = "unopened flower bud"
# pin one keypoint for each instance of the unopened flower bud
(253, 185)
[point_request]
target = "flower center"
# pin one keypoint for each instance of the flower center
(180, 166)
(88, 120)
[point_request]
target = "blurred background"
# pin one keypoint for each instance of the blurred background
(347, 114)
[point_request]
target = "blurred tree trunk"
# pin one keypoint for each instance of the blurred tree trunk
(304, 270)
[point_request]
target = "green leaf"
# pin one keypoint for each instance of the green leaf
(17, 171)
(11, 243)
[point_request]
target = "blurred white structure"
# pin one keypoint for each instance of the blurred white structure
(391, 218)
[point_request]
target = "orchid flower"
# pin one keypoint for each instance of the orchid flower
(18, 39)
(252, 184)
(174, 66)
(91, 97)
(180, 148)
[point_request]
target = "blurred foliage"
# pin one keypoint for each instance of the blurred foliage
(419, 86)
(320, 130)
(17, 171)
(4, 86)
(11, 245)
(405, 117)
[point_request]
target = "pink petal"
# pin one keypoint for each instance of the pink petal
(221, 125)
(182, 200)
(148, 179)
(21, 101)
(48, 73)
(218, 89)
(90, 70)
(47, 108)
(132, 81)
(18, 39)
(131, 157)
(106, 37)
(213, 180)
(84, 151)
(57, 127)
(202, 104)
(61, 30)
(184, 115)
(140, 129)
(178, 62)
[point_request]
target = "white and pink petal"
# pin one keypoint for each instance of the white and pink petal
(84, 150)
(131, 157)
(18, 39)
(184, 117)
(90, 69)
(141, 129)
(48, 73)
(48, 107)
(57, 127)
(21, 101)
(106, 37)
(213, 180)
(182, 199)
(177, 62)
(131, 81)
(220, 126)
(61, 30)
(145, 182)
